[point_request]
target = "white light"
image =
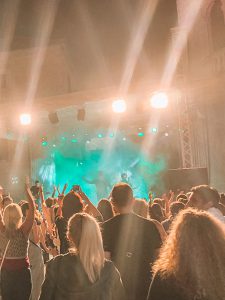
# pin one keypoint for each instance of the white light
(166, 134)
(159, 100)
(124, 139)
(25, 119)
(119, 106)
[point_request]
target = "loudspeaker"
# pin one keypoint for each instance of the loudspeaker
(185, 179)
(53, 117)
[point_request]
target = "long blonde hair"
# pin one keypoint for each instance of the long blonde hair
(85, 234)
(12, 218)
(194, 253)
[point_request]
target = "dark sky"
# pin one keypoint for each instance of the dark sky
(97, 35)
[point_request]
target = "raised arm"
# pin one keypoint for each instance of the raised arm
(2, 226)
(91, 208)
(54, 191)
(64, 188)
(28, 223)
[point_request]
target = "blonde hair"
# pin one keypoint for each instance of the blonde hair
(194, 253)
(12, 218)
(85, 234)
(141, 208)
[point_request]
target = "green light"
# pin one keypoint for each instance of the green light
(154, 130)
(63, 138)
(111, 135)
(44, 143)
(100, 136)
(74, 140)
(140, 134)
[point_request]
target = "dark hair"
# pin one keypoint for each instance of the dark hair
(181, 196)
(207, 194)
(72, 204)
(37, 181)
(159, 201)
(156, 212)
(222, 198)
(105, 208)
(24, 208)
(122, 194)
(176, 207)
(49, 202)
(182, 200)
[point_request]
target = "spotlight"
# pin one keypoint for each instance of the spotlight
(25, 119)
(141, 134)
(154, 130)
(159, 100)
(119, 106)
(15, 180)
(74, 140)
(111, 135)
(100, 136)
(44, 141)
(166, 134)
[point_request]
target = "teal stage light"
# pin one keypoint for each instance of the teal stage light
(154, 130)
(141, 134)
(44, 143)
(100, 135)
(74, 140)
(111, 135)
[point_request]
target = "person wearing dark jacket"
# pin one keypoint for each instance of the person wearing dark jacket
(83, 273)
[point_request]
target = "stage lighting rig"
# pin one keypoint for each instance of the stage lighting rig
(119, 106)
(159, 100)
(25, 119)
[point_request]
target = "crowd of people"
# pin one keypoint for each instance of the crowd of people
(64, 247)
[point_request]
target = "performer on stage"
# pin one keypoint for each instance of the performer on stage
(124, 178)
(35, 189)
(102, 185)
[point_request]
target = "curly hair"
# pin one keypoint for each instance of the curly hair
(194, 253)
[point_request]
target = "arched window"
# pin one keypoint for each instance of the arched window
(217, 26)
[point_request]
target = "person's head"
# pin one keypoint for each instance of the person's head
(24, 207)
(181, 196)
(222, 198)
(175, 208)
(6, 200)
(37, 183)
(156, 212)
(204, 197)
(12, 218)
(72, 204)
(141, 208)
(124, 175)
(85, 235)
(122, 197)
(194, 253)
(159, 201)
(49, 202)
(105, 208)
(183, 200)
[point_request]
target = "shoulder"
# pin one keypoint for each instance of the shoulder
(111, 222)
(149, 224)
(111, 268)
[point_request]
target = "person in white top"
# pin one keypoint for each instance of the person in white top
(204, 197)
